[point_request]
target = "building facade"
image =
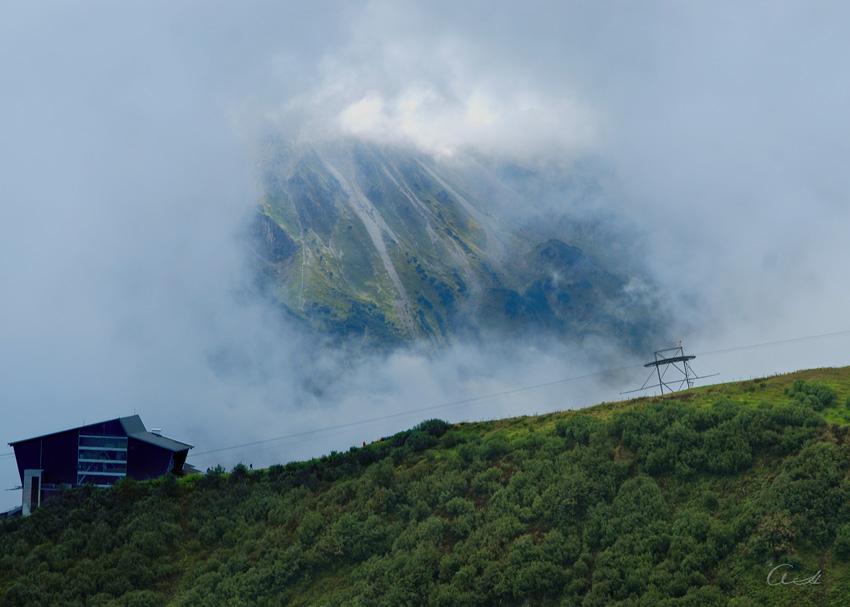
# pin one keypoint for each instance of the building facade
(100, 454)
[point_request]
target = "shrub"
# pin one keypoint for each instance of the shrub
(495, 447)
(420, 441)
(813, 394)
(709, 500)
(434, 427)
(841, 545)
(578, 427)
(458, 506)
(143, 598)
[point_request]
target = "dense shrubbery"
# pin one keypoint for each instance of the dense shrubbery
(664, 504)
(813, 394)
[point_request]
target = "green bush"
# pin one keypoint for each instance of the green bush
(841, 545)
(495, 446)
(813, 394)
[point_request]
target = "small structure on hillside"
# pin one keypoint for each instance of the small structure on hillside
(671, 358)
(100, 454)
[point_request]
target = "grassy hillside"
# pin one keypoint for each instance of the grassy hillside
(690, 499)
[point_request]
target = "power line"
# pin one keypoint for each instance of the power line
(456, 403)
(773, 343)
(505, 393)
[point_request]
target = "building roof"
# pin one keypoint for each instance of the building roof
(26, 440)
(133, 426)
(161, 441)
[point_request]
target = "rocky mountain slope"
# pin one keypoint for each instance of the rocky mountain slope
(387, 244)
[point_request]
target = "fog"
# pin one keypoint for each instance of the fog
(715, 136)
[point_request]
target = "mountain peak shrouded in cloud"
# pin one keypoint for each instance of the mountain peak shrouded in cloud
(701, 146)
(388, 244)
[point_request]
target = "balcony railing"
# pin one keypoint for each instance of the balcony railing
(111, 455)
(103, 442)
(102, 467)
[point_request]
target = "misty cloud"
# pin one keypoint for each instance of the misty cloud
(716, 137)
(405, 75)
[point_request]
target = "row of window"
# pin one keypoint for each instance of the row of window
(101, 460)
(102, 467)
(103, 442)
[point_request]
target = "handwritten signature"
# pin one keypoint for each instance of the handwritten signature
(815, 579)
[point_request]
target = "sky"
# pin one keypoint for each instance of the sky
(132, 137)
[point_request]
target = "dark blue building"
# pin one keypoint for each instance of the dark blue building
(101, 454)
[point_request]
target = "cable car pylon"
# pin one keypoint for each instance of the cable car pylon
(676, 359)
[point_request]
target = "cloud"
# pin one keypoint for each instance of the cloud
(400, 77)
(475, 118)
(728, 148)
(131, 137)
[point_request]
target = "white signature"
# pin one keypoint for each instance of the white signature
(815, 579)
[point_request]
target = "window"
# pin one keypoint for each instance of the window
(101, 460)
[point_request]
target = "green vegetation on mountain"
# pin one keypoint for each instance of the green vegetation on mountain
(360, 240)
(688, 499)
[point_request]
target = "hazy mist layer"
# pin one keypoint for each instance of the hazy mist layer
(717, 136)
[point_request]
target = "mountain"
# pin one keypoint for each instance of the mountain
(705, 497)
(391, 245)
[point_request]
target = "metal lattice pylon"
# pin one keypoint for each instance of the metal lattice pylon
(671, 358)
